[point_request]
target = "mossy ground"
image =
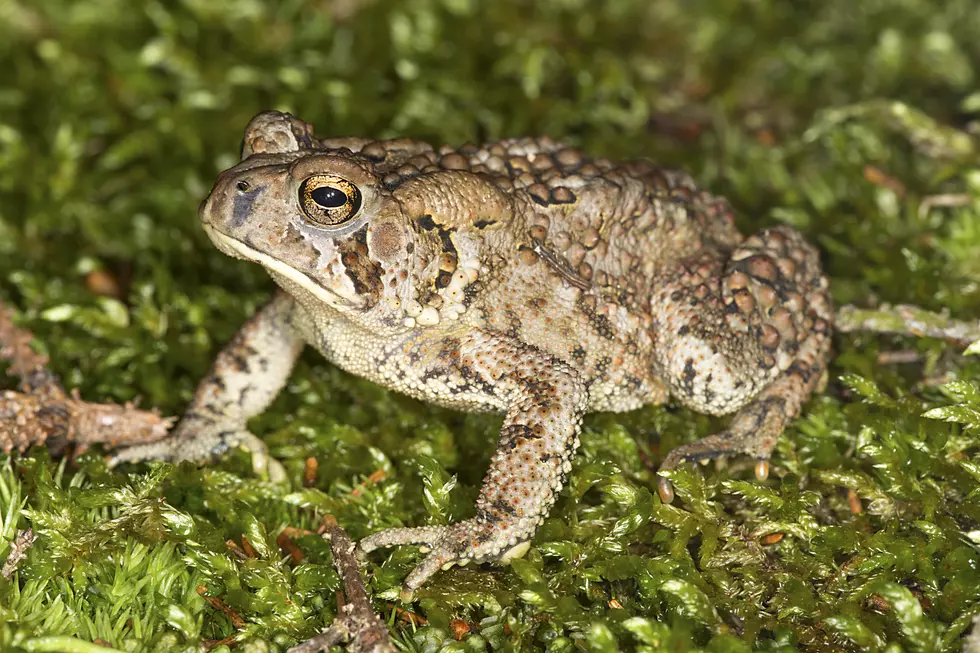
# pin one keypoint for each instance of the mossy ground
(837, 117)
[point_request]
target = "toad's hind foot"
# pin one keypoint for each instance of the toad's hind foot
(473, 540)
(753, 431)
(748, 335)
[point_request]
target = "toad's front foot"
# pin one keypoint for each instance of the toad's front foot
(194, 440)
(544, 400)
(244, 379)
(472, 540)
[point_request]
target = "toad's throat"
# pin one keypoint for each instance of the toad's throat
(277, 269)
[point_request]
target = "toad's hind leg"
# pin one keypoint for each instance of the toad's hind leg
(750, 333)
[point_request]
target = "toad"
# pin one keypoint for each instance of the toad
(524, 277)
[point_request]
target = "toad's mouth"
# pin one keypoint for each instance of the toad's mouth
(284, 275)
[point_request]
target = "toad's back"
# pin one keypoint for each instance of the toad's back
(572, 267)
(575, 203)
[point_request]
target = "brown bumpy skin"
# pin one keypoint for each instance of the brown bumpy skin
(522, 277)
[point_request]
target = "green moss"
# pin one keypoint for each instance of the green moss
(838, 117)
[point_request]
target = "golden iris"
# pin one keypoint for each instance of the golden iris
(329, 200)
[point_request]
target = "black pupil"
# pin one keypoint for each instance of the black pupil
(328, 197)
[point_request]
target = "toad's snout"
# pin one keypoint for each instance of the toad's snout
(232, 202)
(250, 198)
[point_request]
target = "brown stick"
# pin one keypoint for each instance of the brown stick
(356, 621)
(43, 413)
(30, 367)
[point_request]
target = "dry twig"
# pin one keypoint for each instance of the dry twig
(356, 621)
(18, 551)
(946, 200)
(43, 413)
(222, 607)
(904, 319)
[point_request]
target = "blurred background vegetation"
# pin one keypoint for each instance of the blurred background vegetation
(855, 122)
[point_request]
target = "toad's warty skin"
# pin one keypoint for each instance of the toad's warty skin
(523, 277)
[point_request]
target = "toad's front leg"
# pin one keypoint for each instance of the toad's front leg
(544, 400)
(246, 376)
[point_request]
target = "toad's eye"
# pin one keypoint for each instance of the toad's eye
(329, 200)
